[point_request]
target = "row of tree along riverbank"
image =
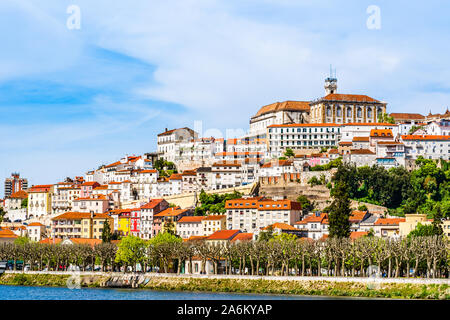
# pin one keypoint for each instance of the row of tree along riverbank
(367, 289)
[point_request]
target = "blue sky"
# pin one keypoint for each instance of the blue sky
(71, 100)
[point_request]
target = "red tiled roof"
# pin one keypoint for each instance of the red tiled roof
(348, 97)
(191, 219)
(213, 217)
(361, 139)
(358, 234)
(282, 226)
(153, 203)
(223, 235)
(80, 215)
(389, 221)
(284, 106)
(170, 212)
(425, 137)
(243, 236)
(277, 163)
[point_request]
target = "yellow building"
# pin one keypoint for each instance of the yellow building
(213, 223)
(411, 222)
(123, 222)
(80, 225)
(39, 200)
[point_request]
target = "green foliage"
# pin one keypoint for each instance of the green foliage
(325, 167)
(165, 168)
(422, 230)
(424, 190)
(24, 203)
(284, 237)
(362, 207)
(131, 250)
(214, 203)
(340, 211)
(314, 181)
(385, 118)
(106, 233)
(266, 235)
(2, 214)
(164, 237)
(414, 129)
(307, 206)
(22, 240)
(282, 158)
(169, 227)
(289, 153)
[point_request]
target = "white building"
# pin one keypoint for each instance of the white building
(428, 146)
(252, 214)
(302, 136)
(189, 226)
(170, 142)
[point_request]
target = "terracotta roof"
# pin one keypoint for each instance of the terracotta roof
(425, 137)
(119, 211)
(50, 241)
(196, 238)
(148, 171)
(80, 215)
(313, 218)
(381, 133)
(191, 219)
(213, 217)
(189, 173)
(277, 163)
(282, 226)
(375, 124)
(36, 224)
(243, 236)
(284, 106)
(348, 97)
(357, 216)
(40, 188)
(91, 183)
(6, 233)
(407, 116)
(153, 203)
(168, 132)
(175, 176)
(345, 143)
(170, 212)
(91, 242)
(223, 235)
(262, 204)
(101, 188)
(333, 151)
(361, 151)
(390, 142)
(358, 234)
(361, 139)
(19, 195)
(389, 221)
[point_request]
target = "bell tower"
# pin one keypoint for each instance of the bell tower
(331, 83)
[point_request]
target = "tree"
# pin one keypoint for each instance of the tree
(289, 153)
(266, 235)
(307, 206)
(385, 118)
(422, 230)
(24, 203)
(340, 211)
(21, 240)
(106, 233)
(131, 250)
(169, 226)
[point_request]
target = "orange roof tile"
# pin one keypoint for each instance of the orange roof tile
(425, 137)
(284, 106)
(243, 236)
(213, 217)
(389, 221)
(223, 235)
(19, 195)
(191, 219)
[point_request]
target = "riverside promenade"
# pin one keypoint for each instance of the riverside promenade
(122, 275)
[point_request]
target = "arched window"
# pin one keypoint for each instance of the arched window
(359, 112)
(328, 111)
(349, 112)
(369, 112)
(339, 111)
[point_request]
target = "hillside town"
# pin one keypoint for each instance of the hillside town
(292, 149)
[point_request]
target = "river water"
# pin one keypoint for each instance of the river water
(53, 293)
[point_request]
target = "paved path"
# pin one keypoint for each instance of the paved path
(279, 278)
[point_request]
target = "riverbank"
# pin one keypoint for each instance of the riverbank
(354, 287)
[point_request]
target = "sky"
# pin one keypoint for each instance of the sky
(72, 99)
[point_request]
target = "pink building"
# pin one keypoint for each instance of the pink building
(87, 187)
(95, 204)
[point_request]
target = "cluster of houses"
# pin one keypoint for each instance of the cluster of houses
(130, 192)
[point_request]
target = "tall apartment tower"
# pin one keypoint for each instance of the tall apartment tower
(15, 184)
